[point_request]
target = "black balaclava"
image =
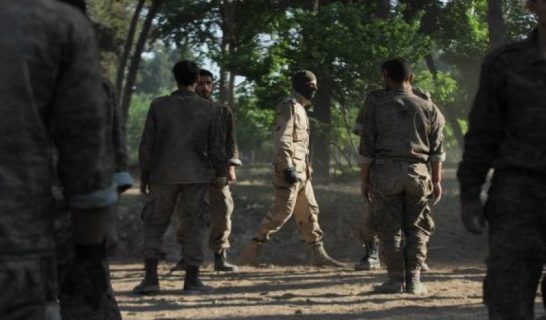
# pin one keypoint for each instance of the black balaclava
(300, 84)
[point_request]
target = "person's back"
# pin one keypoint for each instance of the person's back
(48, 104)
(182, 126)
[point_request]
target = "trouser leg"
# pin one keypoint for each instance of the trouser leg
(280, 212)
(221, 209)
(388, 210)
(156, 216)
(194, 198)
(306, 211)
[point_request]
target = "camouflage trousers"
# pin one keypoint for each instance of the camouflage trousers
(298, 200)
(366, 233)
(516, 213)
(156, 216)
(221, 209)
(29, 287)
(400, 208)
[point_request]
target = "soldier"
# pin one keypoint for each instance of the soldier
(401, 137)
(507, 130)
(368, 236)
(221, 202)
(291, 176)
(181, 152)
(51, 99)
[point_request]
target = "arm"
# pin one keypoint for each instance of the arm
(484, 134)
(232, 152)
(216, 142)
(146, 148)
(284, 135)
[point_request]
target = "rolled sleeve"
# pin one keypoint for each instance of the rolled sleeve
(97, 199)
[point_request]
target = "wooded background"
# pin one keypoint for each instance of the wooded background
(253, 46)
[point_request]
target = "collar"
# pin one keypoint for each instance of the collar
(183, 93)
(301, 99)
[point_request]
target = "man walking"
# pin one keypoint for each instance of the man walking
(292, 176)
(181, 152)
(402, 137)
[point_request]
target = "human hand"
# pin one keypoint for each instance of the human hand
(290, 175)
(473, 217)
(231, 176)
(436, 192)
(366, 189)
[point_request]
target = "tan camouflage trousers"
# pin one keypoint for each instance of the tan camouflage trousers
(221, 209)
(157, 213)
(298, 200)
(29, 288)
(400, 208)
(516, 213)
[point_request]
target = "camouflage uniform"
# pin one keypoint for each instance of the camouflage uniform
(366, 232)
(291, 139)
(401, 135)
(507, 130)
(51, 100)
(182, 151)
(221, 201)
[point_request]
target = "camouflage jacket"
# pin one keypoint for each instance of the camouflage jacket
(507, 123)
(402, 126)
(183, 140)
(50, 98)
(291, 137)
(377, 94)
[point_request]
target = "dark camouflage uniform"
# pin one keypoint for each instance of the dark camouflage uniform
(182, 151)
(50, 99)
(401, 135)
(366, 232)
(221, 201)
(507, 131)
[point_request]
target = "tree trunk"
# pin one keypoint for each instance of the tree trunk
(228, 34)
(383, 8)
(136, 58)
(447, 110)
(231, 92)
(320, 134)
(128, 46)
(497, 28)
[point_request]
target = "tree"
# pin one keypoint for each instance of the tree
(128, 46)
(497, 28)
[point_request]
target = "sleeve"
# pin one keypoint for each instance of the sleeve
(368, 136)
(118, 132)
(216, 142)
(232, 152)
(436, 136)
(484, 134)
(79, 123)
(146, 147)
(284, 135)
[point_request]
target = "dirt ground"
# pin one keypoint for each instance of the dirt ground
(285, 287)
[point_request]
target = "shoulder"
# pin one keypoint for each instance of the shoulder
(505, 55)
(287, 105)
(375, 95)
(425, 95)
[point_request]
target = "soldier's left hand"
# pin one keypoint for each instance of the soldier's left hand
(366, 189)
(436, 192)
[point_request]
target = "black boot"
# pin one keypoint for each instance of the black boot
(414, 284)
(179, 266)
(221, 264)
(192, 283)
(370, 260)
(150, 283)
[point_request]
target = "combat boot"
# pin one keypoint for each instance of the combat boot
(251, 254)
(221, 263)
(370, 260)
(414, 284)
(320, 258)
(394, 284)
(150, 283)
(192, 283)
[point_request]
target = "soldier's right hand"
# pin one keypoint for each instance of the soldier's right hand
(473, 217)
(366, 189)
(290, 175)
(144, 183)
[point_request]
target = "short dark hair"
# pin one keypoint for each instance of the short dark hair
(186, 72)
(397, 69)
(79, 4)
(206, 73)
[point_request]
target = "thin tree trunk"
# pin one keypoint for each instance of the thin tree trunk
(497, 27)
(228, 34)
(136, 58)
(128, 46)
(383, 8)
(231, 92)
(447, 110)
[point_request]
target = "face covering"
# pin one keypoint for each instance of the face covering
(300, 83)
